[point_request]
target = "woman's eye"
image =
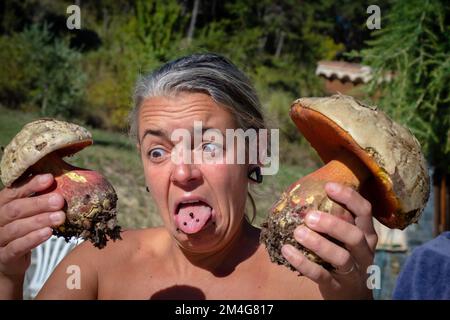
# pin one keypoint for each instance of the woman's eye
(211, 147)
(157, 154)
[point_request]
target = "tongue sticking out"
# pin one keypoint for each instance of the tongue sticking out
(192, 217)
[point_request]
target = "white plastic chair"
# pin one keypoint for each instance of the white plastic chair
(44, 259)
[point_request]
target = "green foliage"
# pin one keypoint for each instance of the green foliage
(414, 45)
(156, 26)
(276, 43)
(13, 76)
(42, 72)
(279, 85)
(241, 46)
(282, 70)
(59, 79)
(133, 44)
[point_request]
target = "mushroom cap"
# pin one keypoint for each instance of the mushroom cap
(399, 186)
(36, 140)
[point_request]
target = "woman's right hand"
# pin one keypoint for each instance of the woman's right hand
(25, 222)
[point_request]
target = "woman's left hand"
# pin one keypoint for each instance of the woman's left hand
(359, 240)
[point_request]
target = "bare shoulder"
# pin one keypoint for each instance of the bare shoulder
(134, 242)
(91, 264)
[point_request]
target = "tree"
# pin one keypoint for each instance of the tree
(191, 29)
(43, 72)
(414, 45)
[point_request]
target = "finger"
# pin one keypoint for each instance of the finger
(324, 248)
(354, 202)
(306, 267)
(341, 212)
(25, 189)
(20, 247)
(26, 207)
(350, 235)
(22, 227)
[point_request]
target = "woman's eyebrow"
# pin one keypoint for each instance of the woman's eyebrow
(162, 133)
(157, 132)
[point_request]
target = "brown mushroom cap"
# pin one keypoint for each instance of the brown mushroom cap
(399, 187)
(36, 140)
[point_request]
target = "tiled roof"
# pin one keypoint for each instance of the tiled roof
(344, 71)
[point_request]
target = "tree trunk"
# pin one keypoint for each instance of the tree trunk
(280, 44)
(105, 21)
(44, 102)
(436, 202)
(441, 202)
(213, 9)
(444, 204)
(191, 30)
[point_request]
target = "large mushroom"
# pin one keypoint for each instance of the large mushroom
(362, 148)
(90, 200)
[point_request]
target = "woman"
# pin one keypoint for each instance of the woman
(216, 254)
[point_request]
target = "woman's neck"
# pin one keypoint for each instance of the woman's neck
(223, 261)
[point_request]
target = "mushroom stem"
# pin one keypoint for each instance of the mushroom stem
(90, 200)
(345, 168)
(309, 193)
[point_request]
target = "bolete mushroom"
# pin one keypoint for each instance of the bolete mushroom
(90, 200)
(362, 148)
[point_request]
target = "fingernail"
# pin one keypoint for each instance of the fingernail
(300, 233)
(43, 179)
(312, 218)
(54, 200)
(333, 187)
(45, 232)
(287, 250)
(57, 217)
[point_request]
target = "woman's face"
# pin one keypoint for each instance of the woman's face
(201, 204)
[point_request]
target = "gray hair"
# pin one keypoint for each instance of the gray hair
(208, 73)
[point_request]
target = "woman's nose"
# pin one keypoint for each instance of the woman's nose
(185, 173)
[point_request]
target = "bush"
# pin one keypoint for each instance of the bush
(133, 44)
(13, 75)
(41, 72)
(418, 94)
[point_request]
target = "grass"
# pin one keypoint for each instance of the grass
(114, 155)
